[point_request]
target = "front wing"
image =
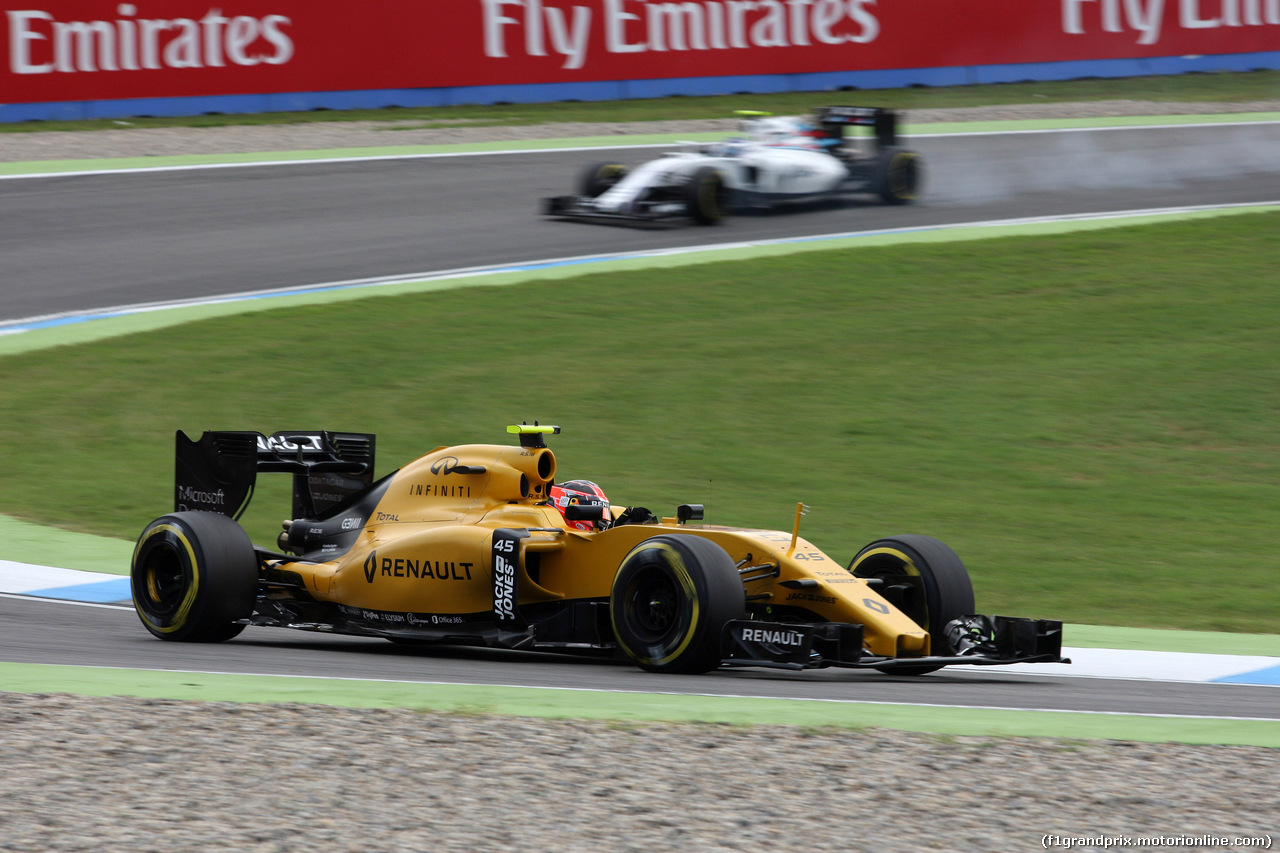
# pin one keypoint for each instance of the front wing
(1004, 640)
(583, 208)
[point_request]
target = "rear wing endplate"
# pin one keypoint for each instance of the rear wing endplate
(217, 473)
(883, 122)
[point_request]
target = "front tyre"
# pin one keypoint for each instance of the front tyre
(706, 198)
(670, 600)
(924, 579)
(600, 177)
(194, 575)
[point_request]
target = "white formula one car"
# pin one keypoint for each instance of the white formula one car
(779, 159)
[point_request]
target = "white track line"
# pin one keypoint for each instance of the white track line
(646, 693)
(64, 601)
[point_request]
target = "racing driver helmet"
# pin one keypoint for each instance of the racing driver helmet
(581, 492)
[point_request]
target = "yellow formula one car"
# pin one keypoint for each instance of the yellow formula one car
(478, 545)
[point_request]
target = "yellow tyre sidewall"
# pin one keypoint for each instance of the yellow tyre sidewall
(908, 566)
(901, 161)
(675, 564)
(177, 539)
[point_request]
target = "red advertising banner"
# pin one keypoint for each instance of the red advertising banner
(85, 50)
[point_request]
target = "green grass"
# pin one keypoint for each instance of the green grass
(1249, 86)
(1089, 420)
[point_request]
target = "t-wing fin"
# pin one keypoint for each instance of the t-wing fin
(532, 436)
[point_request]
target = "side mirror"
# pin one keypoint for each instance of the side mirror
(689, 512)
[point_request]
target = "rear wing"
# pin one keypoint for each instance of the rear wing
(217, 473)
(883, 122)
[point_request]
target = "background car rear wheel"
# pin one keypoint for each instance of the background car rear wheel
(194, 575)
(601, 177)
(705, 196)
(899, 175)
(671, 598)
(925, 580)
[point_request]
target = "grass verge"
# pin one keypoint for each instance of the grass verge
(1089, 420)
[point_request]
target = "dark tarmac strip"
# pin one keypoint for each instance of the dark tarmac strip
(47, 632)
(75, 243)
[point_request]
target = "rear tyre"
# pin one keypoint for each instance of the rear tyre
(899, 176)
(925, 580)
(706, 197)
(671, 598)
(194, 574)
(600, 177)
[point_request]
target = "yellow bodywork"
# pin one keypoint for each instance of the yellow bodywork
(426, 548)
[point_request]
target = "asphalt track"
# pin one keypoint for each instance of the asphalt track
(46, 632)
(80, 242)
